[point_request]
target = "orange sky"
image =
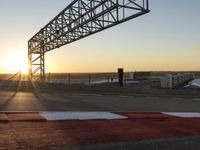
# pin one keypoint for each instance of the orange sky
(166, 39)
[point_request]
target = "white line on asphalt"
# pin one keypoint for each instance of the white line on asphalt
(196, 99)
(176, 98)
(152, 97)
(125, 96)
(89, 94)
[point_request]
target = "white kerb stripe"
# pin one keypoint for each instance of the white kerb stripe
(184, 114)
(80, 115)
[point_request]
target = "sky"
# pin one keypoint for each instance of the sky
(166, 39)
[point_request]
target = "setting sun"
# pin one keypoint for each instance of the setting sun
(17, 61)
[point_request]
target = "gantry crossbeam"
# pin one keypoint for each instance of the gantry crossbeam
(79, 19)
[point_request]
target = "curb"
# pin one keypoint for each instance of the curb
(71, 116)
(3, 118)
(21, 117)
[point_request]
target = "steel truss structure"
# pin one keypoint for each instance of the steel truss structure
(79, 19)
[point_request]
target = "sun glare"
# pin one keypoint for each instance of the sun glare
(15, 62)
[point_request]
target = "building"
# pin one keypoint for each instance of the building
(173, 80)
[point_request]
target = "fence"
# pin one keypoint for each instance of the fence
(83, 78)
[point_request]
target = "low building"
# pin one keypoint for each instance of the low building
(161, 81)
(154, 82)
(173, 80)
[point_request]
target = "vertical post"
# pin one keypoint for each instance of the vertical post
(90, 79)
(29, 66)
(49, 77)
(69, 78)
(117, 10)
(147, 4)
(143, 3)
(123, 10)
(121, 76)
(42, 65)
(29, 62)
(42, 58)
(20, 75)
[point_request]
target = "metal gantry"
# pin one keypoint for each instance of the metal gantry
(79, 19)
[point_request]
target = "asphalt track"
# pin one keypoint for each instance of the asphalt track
(141, 131)
(24, 101)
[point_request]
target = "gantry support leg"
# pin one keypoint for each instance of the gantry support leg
(42, 65)
(37, 65)
(29, 62)
(30, 66)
